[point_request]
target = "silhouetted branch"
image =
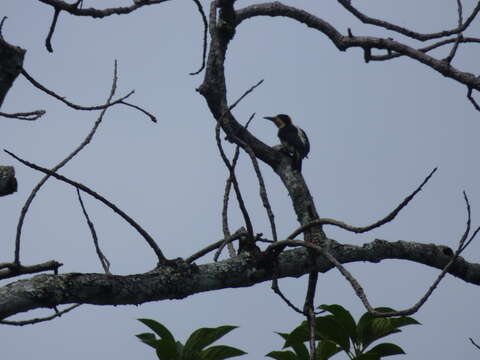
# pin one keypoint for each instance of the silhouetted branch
(103, 259)
(150, 241)
(359, 289)
(474, 343)
(461, 39)
(205, 32)
(9, 270)
(362, 229)
(74, 9)
(347, 4)
(236, 187)
(236, 235)
(38, 320)
(343, 43)
(62, 163)
(48, 40)
(30, 116)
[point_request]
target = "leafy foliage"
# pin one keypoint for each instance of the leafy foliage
(195, 348)
(338, 331)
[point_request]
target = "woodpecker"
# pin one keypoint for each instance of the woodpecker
(293, 139)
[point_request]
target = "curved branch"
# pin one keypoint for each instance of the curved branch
(39, 320)
(364, 42)
(407, 32)
(363, 229)
(73, 9)
(151, 242)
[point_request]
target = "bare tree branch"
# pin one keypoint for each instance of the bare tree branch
(461, 39)
(216, 245)
(364, 42)
(9, 270)
(474, 343)
(39, 320)
(182, 281)
(62, 163)
(205, 33)
(150, 241)
(74, 9)
(236, 187)
(30, 116)
(68, 103)
(48, 40)
(103, 259)
(362, 229)
(347, 4)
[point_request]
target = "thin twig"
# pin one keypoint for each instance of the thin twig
(391, 55)
(205, 34)
(48, 40)
(453, 51)
(38, 320)
(362, 229)
(277, 291)
(29, 116)
(150, 241)
(70, 104)
(472, 100)
(75, 9)
(236, 235)
(226, 197)
(347, 4)
(62, 163)
(236, 187)
(474, 343)
(1, 26)
(9, 270)
(245, 94)
(103, 259)
(150, 115)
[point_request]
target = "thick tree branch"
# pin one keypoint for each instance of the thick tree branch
(179, 282)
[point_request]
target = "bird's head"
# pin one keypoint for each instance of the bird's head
(280, 120)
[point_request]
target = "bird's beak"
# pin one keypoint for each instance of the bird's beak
(271, 118)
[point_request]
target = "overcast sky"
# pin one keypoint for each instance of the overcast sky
(376, 130)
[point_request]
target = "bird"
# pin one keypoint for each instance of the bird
(293, 139)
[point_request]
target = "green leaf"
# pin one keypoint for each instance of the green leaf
(282, 355)
(298, 335)
(220, 352)
(301, 351)
(159, 329)
(326, 349)
(370, 328)
(329, 329)
(148, 338)
(386, 349)
(166, 350)
(344, 318)
(404, 321)
(203, 337)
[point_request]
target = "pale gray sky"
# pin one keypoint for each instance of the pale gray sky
(376, 131)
